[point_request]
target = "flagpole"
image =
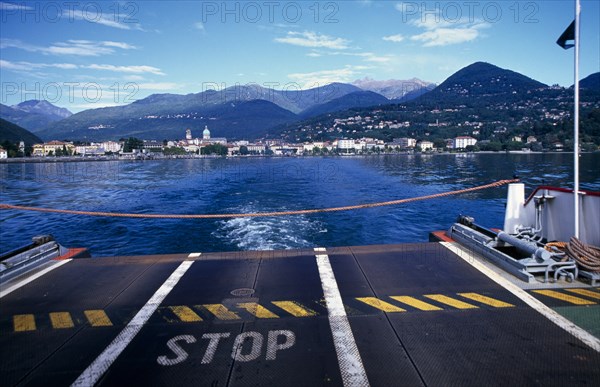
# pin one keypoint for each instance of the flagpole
(576, 121)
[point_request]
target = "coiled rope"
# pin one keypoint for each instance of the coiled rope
(585, 255)
(258, 214)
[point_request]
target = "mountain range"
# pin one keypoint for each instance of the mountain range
(396, 90)
(33, 115)
(253, 111)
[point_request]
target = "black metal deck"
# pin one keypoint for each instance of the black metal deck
(416, 314)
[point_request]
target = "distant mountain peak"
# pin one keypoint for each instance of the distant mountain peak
(395, 89)
(482, 78)
(43, 107)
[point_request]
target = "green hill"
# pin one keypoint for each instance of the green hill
(14, 134)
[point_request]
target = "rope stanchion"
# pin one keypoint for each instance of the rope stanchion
(496, 184)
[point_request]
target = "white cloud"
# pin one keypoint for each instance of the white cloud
(122, 45)
(377, 59)
(70, 47)
(26, 66)
(394, 38)
(440, 29)
(446, 36)
(126, 69)
(119, 21)
(314, 40)
(14, 7)
(199, 26)
(325, 77)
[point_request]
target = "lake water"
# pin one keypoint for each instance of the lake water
(212, 186)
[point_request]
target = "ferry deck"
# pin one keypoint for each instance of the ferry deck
(393, 315)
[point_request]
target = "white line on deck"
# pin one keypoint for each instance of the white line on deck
(194, 255)
(55, 264)
(527, 298)
(350, 362)
(99, 366)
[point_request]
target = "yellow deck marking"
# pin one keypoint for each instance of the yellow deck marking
(486, 300)
(185, 313)
(97, 318)
(257, 310)
(221, 312)
(294, 308)
(24, 322)
(61, 320)
(564, 297)
(450, 301)
(584, 292)
(381, 305)
(411, 301)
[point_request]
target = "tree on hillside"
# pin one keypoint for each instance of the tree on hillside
(133, 143)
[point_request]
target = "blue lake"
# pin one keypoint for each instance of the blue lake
(241, 185)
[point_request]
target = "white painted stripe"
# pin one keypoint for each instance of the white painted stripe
(194, 255)
(527, 298)
(55, 264)
(94, 372)
(349, 360)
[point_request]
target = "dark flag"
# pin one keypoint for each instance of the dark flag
(566, 36)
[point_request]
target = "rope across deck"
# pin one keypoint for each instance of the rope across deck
(499, 183)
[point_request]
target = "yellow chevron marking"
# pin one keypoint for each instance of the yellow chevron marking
(584, 292)
(415, 303)
(97, 318)
(564, 297)
(61, 320)
(294, 308)
(381, 305)
(221, 312)
(257, 310)
(24, 322)
(486, 300)
(185, 313)
(450, 301)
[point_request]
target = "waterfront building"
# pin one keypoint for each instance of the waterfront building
(3, 153)
(462, 142)
(345, 145)
(111, 146)
(425, 145)
(153, 145)
(53, 147)
(89, 150)
(404, 142)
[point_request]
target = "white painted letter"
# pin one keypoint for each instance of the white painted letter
(257, 342)
(177, 350)
(273, 347)
(212, 345)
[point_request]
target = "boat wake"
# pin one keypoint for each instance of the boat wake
(271, 233)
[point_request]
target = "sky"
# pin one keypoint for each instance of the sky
(92, 54)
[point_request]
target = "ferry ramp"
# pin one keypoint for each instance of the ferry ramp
(393, 315)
